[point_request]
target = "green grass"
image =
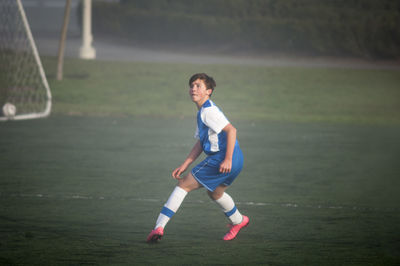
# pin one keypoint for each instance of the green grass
(245, 92)
(320, 181)
(81, 190)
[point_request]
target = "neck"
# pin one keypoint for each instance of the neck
(200, 104)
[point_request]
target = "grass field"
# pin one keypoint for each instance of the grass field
(320, 182)
(245, 92)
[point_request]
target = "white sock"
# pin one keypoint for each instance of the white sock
(229, 208)
(170, 208)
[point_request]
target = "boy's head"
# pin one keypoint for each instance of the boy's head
(208, 81)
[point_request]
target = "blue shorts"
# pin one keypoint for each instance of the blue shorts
(207, 172)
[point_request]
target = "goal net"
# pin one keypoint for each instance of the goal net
(23, 84)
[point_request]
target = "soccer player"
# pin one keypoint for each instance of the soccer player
(224, 161)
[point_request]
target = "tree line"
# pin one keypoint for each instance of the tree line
(363, 28)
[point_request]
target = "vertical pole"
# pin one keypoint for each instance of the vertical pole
(60, 61)
(87, 51)
(46, 112)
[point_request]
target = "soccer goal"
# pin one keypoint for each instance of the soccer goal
(24, 91)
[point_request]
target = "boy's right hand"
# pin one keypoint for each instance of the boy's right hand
(178, 171)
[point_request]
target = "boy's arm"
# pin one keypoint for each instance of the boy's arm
(194, 153)
(226, 165)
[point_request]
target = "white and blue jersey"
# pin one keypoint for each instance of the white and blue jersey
(210, 122)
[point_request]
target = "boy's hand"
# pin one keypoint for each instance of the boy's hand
(226, 166)
(178, 171)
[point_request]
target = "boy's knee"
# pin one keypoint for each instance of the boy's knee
(188, 183)
(185, 186)
(215, 194)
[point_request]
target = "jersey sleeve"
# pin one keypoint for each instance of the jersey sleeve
(214, 119)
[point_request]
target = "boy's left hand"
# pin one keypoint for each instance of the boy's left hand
(225, 167)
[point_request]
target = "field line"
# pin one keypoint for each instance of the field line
(245, 203)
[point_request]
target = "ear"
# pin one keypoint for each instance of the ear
(209, 92)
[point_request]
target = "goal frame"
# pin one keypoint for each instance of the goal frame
(47, 110)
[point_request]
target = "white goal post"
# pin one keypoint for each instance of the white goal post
(23, 83)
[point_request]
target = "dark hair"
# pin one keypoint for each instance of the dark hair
(208, 81)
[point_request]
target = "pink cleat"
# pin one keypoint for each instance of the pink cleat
(155, 235)
(235, 228)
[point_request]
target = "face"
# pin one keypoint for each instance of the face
(199, 92)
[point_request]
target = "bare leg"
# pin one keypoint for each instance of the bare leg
(217, 193)
(189, 183)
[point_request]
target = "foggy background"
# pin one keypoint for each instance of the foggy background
(180, 31)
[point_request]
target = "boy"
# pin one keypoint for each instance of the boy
(217, 138)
